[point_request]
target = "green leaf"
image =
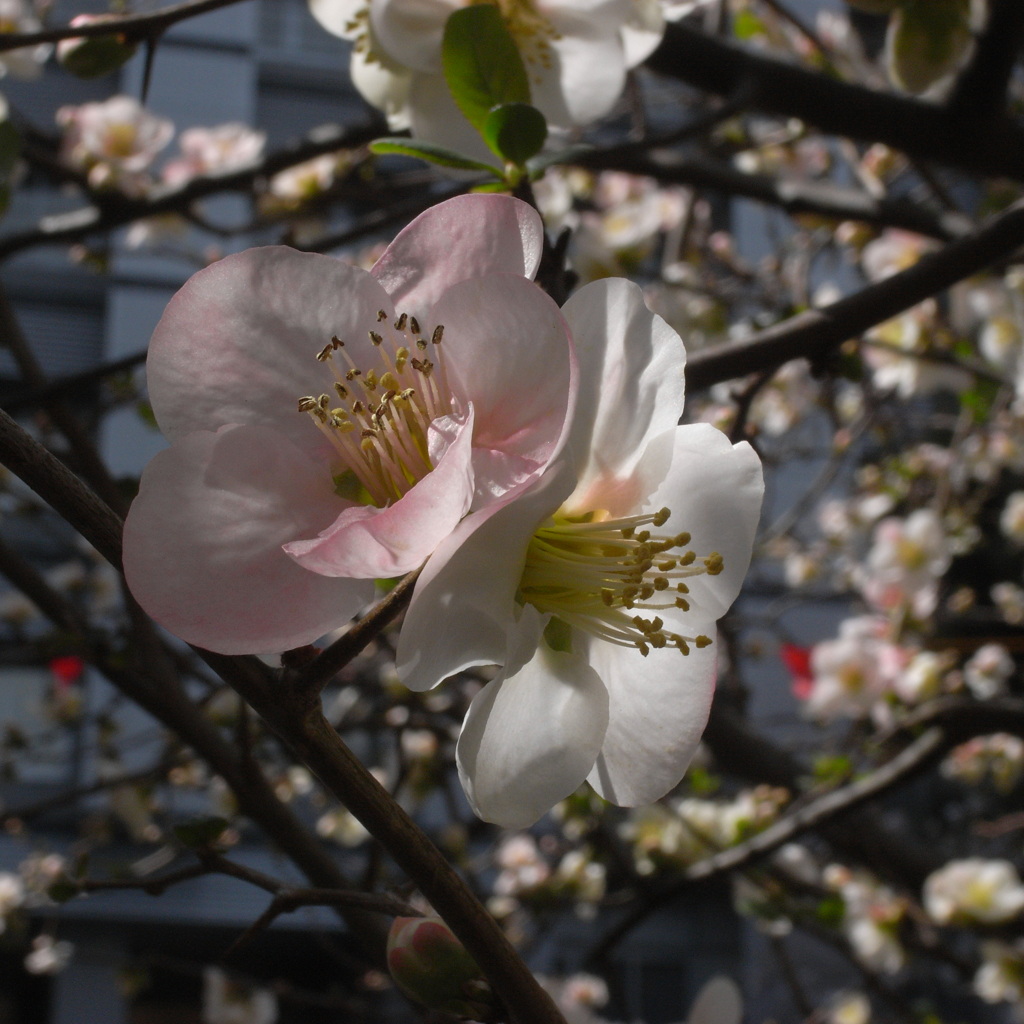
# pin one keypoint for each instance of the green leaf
(432, 154)
(515, 132)
(747, 25)
(481, 63)
(201, 832)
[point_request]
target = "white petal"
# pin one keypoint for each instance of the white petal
(714, 491)
(464, 600)
(531, 736)
(658, 707)
(336, 15)
(631, 381)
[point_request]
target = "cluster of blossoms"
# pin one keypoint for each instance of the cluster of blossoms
(229, 1001)
(999, 757)
(872, 915)
(22, 16)
(116, 141)
(675, 833)
(330, 426)
(576, 59)
(528, 877)
(1000, 978)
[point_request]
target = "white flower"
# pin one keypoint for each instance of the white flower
(228, 1002)
(975, 889)
(576, 52)
(1011, 520)
(27, 62)
(1001, 977)
(988, 670)
(906, 560)
(48, 956)
(574, 582)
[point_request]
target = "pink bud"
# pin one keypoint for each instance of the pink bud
(431, 966)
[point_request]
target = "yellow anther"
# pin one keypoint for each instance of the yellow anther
(660, 583)
(661, 517)
(702, 641)
(688, 559)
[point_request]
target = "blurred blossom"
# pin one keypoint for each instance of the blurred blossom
(226, 1001)
(1011, 520)
(48, 956)
(27, 62)
(1001, 975)
(974, 890)
(214, 150)
(848, 1008)
(113, 141)
(854, 671)
(12, 896)
(922, 678)
(1009, 599)
(871, 917)
(786, 399)
(999, 757)
(522, 866)
(907, 559)
(342, 827)
(293, 187)
(988, 670)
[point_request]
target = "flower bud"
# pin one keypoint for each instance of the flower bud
(93, 56)
(431, 966)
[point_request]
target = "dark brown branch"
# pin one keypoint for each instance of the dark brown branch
(334, 658)
(814, 334)
(824, 199)
(994, 147)
(981, 88)
(118, 210)
(134, 26)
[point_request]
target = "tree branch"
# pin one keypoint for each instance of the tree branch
(815, 333)
(926, 131)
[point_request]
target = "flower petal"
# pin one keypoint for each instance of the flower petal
(630, 382)
(411, 30)
(465, 597)
(467, 237)
(238, 343)
(714, 491)
(373, 543)
(508, 352)
(531, 735)
(658, 707)
(571, 92)
(202, 544)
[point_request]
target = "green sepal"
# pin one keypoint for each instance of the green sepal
(481, 63)
(200, 833)
(348, 485)
(515, 132)
(439, 155)
(558, 635)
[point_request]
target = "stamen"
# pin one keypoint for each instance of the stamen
(602, 576)
(379, 431)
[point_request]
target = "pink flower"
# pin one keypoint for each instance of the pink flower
(212, 150)
(437, 383)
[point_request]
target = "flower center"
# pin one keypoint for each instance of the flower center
(532, 31)
(592, 572)
(378, 419)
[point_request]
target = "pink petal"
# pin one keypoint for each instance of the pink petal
(630, 382)
(375, 543)
(467, 237)
(532, 734)
(658, 707)
(465, 598)
(202, 543)
(238, 343)
(508, 351)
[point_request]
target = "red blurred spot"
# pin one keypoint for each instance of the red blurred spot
(67, 670)
(798, 661)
